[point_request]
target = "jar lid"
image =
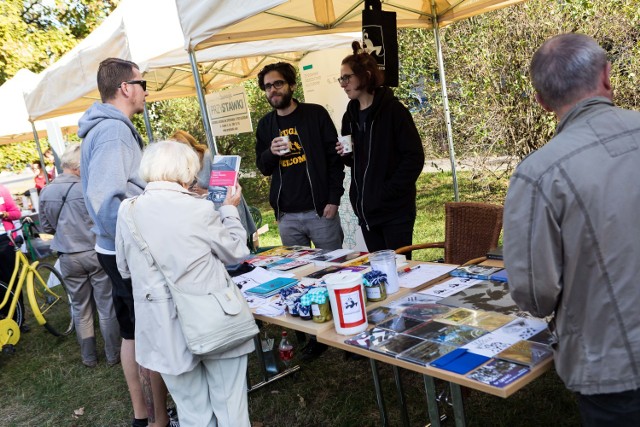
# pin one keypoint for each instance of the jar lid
(315, 296)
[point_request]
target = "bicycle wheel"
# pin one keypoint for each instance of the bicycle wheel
(53, 304)
(18, 315)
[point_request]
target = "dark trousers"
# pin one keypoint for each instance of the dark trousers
(610, 410)
(391, 235)
(122, 294)
(7, 264)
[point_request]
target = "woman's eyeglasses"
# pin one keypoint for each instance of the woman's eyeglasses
(344, 79)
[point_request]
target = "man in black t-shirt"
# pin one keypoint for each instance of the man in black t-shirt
(306, 172)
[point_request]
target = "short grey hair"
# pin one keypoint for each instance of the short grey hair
(169, 161)
(71, 157)
(565, 68)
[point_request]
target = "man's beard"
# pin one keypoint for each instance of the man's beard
(285, 101)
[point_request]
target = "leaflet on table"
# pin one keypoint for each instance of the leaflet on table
(505, 336)
(319, 274)
(417, 275)
(498, 373)
(485, 295)
(331, 255)
(224, 173)
(272, 287)
(256, 277)
(526, 353)
(475, 271)
(449, 287)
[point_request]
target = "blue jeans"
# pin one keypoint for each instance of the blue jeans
(610, 410)
(302, 228)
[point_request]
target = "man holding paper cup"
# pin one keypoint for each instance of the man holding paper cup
(296, 147)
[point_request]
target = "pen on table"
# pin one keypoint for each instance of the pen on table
(409, 269)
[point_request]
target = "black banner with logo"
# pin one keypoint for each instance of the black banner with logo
(380, 39)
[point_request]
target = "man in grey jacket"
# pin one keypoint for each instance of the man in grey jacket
(571, 235)
(63, 213)
(111, 153)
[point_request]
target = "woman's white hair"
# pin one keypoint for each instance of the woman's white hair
(71, 157)
(169, 161)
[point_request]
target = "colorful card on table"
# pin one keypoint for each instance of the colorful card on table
(426, 352)
(498, 373)
(368, 339)
(485, 295)
(459, 361)
(272, 287)
(450, 334)
(475, 271)
(526, 353)
(397, 344)
(399, 323)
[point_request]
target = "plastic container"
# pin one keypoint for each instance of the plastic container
(285, 350)
(385, 261)
(346, 295)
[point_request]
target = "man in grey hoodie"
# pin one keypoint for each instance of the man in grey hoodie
(111, 153)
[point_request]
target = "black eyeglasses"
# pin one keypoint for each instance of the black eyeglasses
(278, 84)
(142, 83)
(344, 79)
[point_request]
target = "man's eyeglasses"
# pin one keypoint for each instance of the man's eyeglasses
(278, 84)
(344, 79)
(142, 83)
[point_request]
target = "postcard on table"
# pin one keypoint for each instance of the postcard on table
(498, 373)
(475, 271)
(399, 324)
(272, 287)
(484, 295)
(526, 353)
(490, 344)
(426, 352)
(397, 344)
(450, 334)
(380, 314)
(224, 173)
(369, 338)
(450, 287)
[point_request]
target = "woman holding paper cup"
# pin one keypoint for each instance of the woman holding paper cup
(386, 155)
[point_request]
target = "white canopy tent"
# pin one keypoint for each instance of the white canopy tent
(14, 118)
(138, 30)
(297, 17)
(148, 30)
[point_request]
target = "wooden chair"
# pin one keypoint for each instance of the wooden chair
(471, 230)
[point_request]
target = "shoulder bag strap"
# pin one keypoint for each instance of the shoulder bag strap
(64, 199)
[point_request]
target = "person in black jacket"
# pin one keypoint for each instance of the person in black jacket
(306, 182)
(387, 155)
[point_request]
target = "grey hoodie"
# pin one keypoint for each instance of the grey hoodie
(111, 153)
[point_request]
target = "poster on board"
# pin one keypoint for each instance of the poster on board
(229, 111)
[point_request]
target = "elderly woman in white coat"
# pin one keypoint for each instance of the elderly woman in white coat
(191, 242)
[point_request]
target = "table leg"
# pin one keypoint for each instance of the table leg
(432, 402)
(400, 392)
(458, 405)
(376, 384)
(266, 377)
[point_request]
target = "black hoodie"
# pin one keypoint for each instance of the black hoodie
(386, 161)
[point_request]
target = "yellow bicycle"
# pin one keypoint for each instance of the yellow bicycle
(51, 306)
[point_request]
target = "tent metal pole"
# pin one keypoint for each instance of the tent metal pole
(147, 123)
(445, 102)
(211, 141)
(39, 148)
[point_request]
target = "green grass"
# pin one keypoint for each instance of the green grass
(45, 382)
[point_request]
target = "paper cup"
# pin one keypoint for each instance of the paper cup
(347, 145)
(288, 149)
